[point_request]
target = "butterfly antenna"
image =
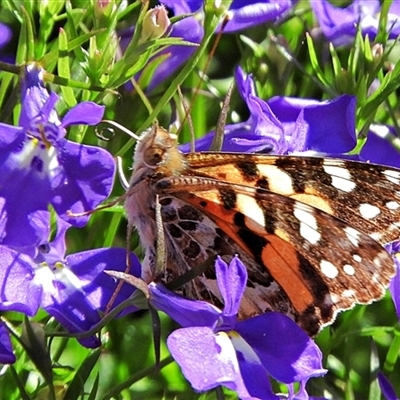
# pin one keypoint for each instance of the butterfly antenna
(189, 119)
(218, 139)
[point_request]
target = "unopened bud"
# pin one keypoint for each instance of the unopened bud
(155, 24)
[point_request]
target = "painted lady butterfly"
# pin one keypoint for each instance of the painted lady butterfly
(308, 229)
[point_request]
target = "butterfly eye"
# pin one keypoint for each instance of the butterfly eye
(153, 156)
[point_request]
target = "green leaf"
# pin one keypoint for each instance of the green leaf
(76, 387)
(34, 341)
(63, 68)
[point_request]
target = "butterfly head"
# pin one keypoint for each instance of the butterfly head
(157, 153)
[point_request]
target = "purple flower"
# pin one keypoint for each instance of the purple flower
(378, 148)
(339, 25)
(72, 288)
(394, 250)
(40, 167)
(5, 35)
(241, 15)
(387, 389)
(285, 125)
(247, 14)
(6, 353)
(237, 354)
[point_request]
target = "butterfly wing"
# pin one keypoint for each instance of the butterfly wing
(366, 196)
(321, 263)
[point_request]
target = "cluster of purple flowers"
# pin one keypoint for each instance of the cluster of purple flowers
(41, 169)
(46, 177)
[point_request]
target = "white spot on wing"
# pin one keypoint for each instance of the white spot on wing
(392, 205)
(352, 234)
(255, 219)
(308, 224)
(392, 176)
(369, 211)
(328, 269)
(278, 180)
(341, 178)
(349, 269)
(348, 293)
(357, 258)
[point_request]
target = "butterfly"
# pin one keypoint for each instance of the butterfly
(309, 230)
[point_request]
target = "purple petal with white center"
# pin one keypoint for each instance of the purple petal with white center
(74, 291)
(207, 360)
(89, 266)
(17, 218)
(251, 13)
(6, 353)
(253, 373)
(87, 113)
(285, 350)
(16, 274)
(386, 388)
(64, 299)
(231, 283)
(185, 312)
(89, 176)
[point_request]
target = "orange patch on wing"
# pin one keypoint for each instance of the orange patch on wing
(279, 257)
(281, 261)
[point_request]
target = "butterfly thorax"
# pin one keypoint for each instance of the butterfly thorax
(156, 156)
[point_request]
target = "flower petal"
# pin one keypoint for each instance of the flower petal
(232, 283)
(87, 113)
(6, 353)
(186, 312)
(244, 15)
(206, 360)
(89, 176)
(284, 349)
(17, 292)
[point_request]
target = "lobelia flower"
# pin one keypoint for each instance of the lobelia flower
(247, 14)
(73, 289)
(213, 348)
(6, 352)
(386, 388)
(394, 250)
(339, 25)
(378, 147)
(5, 35)
(40, 167)
(284, 125)
(242, 15)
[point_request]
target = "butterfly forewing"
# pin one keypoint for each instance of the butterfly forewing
(307, 228)
(366, 196)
